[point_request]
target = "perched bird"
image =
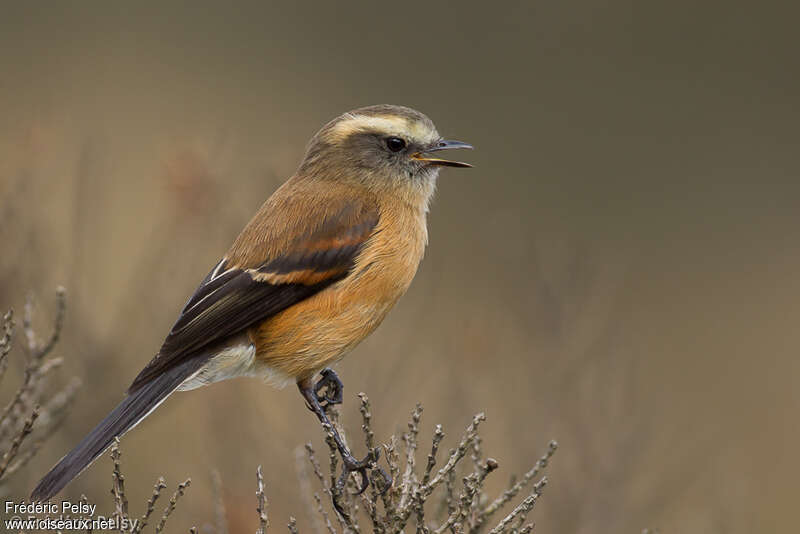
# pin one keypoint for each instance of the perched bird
(312, 274)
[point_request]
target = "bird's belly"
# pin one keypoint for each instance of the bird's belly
(302, 340)
(317, 332)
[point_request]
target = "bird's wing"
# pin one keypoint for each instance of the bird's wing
(245, 289)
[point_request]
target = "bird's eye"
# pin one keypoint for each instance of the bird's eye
(395, 144)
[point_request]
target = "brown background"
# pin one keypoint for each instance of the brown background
(618, 272)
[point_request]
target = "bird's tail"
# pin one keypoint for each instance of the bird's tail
(135, 407)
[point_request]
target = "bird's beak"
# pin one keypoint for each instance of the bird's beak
(442, 145)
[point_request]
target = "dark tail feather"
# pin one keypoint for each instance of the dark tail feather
(135, 407)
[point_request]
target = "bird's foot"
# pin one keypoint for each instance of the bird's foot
(333, 388)
(333, 395)
(362, 467)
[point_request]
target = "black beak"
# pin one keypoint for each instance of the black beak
(444, 145)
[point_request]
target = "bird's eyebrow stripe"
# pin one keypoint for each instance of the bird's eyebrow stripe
(388, 124)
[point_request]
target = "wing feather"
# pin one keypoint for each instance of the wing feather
(233, 298)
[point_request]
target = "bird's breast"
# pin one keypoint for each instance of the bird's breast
(316, 332)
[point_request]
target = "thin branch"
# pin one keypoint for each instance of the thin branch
(15, 444)
(324, 514)
(5, 341)
(460, 451)
(511, 492)
(263, 520)
(366, 425)
(438, 436)
(172, 502)
(411, 439)
(423, 491)
(305, 486)
(118, 486)
(151, 504)
(522, 508)
(58, 323)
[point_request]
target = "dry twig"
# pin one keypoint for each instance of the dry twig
(118, 486)
(413, 491)
(263, 520)
(11, 453)
(151, 504)
(172, 503)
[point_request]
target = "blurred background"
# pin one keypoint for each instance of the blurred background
(618, 272)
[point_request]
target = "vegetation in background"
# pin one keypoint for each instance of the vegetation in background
(445, 493)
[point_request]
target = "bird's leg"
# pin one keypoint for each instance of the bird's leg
(351, 465)
(333, 395)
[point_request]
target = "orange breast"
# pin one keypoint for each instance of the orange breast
(318, 331)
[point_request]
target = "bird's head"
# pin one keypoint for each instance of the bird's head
(382, 146)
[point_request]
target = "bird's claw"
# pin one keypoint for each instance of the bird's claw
(333, 387)
(351, 465)
(362, 467)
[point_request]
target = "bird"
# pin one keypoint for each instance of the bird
(313, 273)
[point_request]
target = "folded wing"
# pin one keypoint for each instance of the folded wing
(244, 291)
